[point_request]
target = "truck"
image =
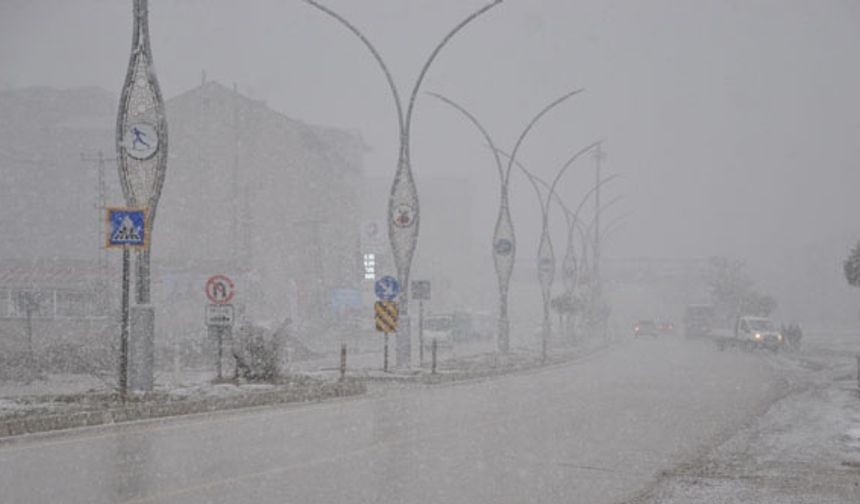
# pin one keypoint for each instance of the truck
(698, 321)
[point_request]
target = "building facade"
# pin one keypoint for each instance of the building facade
(249, 192)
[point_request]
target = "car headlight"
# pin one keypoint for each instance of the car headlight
(758, 336)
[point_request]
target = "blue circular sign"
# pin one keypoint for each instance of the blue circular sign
(387, 288)
(503, 247)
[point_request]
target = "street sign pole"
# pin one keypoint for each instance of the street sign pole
(385, 355)
(220, 315)
(386, 313)
(126, 229)
(220, 352)
(123, 339)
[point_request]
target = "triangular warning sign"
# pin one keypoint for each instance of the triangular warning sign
(126, 232)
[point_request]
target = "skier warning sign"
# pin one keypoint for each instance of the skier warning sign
(126, 228)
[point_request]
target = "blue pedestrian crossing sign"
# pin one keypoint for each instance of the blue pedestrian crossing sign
(387, 288)
(126, 228)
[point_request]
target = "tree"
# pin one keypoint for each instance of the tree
(760, 305)
(732, 292)
(852, 266)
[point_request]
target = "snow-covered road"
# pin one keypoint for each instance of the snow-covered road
(593, 431)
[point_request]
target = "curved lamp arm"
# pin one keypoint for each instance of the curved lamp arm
(433, 57)
(480, 127)
(531, 124)
(376, 55)
(567, 165)
(530, 177)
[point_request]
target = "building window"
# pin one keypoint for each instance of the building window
(369, 266)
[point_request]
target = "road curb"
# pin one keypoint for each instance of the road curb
(151, 409)
(460, 376)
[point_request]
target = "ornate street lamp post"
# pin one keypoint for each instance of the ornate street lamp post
(570, 268)
(403, 210)
(545, 255)
(141, 143)
(504, 240)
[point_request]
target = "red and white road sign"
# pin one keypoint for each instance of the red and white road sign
(220, 289)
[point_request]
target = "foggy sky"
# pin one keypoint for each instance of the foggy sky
(734, 124)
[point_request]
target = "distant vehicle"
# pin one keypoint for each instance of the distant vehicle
(645, 328)
(665, 327)
(758, 332)
(698, 321)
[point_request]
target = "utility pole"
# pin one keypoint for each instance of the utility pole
(234, 221)
(101, 207)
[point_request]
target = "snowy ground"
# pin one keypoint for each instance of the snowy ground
(54, 393)
(804, 449)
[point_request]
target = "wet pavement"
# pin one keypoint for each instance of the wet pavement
(596, 430)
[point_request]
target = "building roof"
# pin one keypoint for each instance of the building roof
(313, 136)
(47, 273)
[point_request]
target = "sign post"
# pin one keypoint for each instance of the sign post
(421, 292)
(387, 288)
(220, 315)
(126, 230)
(386, 321)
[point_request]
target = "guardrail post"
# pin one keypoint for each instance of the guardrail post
(858, 372)
(433, 367)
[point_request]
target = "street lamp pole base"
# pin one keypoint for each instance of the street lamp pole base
(141, 355)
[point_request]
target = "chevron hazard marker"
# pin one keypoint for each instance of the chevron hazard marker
(386, 316)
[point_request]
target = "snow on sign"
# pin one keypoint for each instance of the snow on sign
(126, 228)
(220, 289)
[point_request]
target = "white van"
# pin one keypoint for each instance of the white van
(758, 332)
